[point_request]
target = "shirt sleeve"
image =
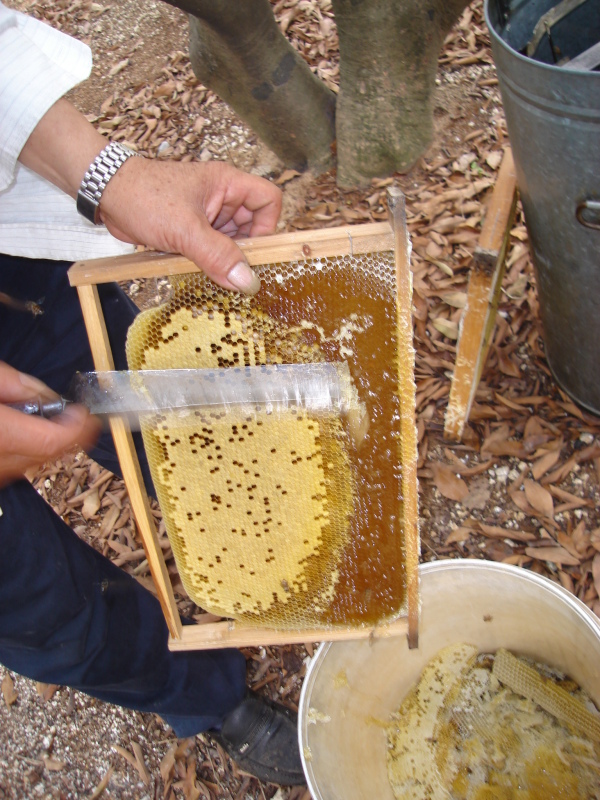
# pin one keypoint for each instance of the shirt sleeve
(38, 65)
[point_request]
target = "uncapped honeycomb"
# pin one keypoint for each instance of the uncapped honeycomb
(493, 727)
(282, 519)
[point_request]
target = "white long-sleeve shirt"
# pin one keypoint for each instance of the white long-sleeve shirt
(38, 65)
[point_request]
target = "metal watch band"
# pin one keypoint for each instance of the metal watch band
(97, 177)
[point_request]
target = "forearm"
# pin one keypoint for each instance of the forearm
(195, 209)
(62, 146)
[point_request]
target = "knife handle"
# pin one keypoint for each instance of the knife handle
(41, 408)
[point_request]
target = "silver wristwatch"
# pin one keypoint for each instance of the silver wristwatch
(97, 177)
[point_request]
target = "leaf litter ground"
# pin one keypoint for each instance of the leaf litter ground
(522, 488)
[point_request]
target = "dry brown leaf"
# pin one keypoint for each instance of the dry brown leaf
(507, 366)
(134, 761)
(167, 763)
(567, 497)
(455, 299)
(118, 68)
(108, 521)
(543, 464)
(581, 538)
(46, 690)
(8, 691)
(140, 763)
(52, 764)
(595, 539)
(91, 504)
(188, 785)
(494, 158)
(447, 327)
(521, 503)
(460, 534)
(596, 572)
(479, 494)
(448, 483)
(199, 125)
(286, 175)
(100, 789)
(558, 555)
(496, 532)
(566, 541)
(539, 498)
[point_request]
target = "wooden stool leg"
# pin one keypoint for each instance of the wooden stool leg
(485, 283)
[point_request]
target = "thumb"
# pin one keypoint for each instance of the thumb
(221, 259)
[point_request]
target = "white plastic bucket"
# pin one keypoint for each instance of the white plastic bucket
(351, 688)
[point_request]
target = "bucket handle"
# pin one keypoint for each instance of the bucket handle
(584, 219)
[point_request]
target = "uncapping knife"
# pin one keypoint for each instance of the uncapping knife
(318, 387)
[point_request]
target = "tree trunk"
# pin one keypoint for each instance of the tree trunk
(238, 51)
(388, 65)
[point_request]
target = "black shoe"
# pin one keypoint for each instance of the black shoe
(262, 738)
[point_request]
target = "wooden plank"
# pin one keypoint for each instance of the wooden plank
(479, 316)
(588, 60)
(281, 247)
(128, 460)
(499, 214)
(408, 410)
(213, 635)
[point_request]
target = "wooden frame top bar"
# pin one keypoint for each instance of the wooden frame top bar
(297, 246)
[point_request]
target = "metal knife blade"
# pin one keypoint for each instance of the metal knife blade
(317, 387)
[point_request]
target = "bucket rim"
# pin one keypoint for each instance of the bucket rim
(531, 62)
(455, 564)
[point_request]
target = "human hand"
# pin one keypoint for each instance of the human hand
(27, 441)
(195, 209)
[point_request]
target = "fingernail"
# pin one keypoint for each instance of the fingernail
(244, 278)
(73, 414)
(29, 382)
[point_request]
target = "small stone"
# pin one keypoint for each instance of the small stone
(503, 473)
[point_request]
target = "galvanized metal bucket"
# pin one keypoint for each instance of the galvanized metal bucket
(553, 120)
(352, 688)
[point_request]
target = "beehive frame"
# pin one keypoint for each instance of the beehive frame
(350, 240)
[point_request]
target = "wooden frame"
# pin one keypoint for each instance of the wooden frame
(485, 283)
(351, 240)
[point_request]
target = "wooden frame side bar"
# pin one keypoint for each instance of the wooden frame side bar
(128, 460)
(281, 247)
(485, 283)
(408, 410)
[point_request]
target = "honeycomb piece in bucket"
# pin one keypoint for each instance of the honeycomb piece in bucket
(412, 764)
(488, 743)
(338, 557)
(527, 681)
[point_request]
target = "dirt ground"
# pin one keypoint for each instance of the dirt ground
(522, 487)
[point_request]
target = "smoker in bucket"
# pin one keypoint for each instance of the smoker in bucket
(68, 615)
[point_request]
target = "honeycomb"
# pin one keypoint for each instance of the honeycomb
(288, 520)
(493, 727)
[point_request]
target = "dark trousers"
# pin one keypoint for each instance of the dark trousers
(67, 614)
